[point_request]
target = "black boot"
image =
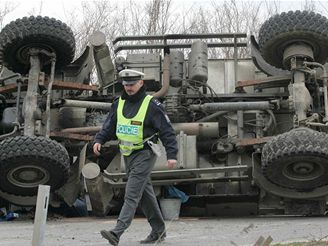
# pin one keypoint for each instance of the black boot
(154, 238)
(110, 236)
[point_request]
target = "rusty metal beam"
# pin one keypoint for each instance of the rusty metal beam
(10, 88)
(73, 86)
(74, 136)
(265, 82)
(252, 141)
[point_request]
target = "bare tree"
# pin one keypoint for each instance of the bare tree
(6, 8)
(233, 17)
(310, 5)
(159, 17)
(271, 7)
(97, 15)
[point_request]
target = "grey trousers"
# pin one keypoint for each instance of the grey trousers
(139, 191)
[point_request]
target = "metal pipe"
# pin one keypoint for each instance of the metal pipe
(180, 36)
(175, 181)
(233, 106)
(16, 127)
(86, 104)
(170, 173)
(212, 116)
(272, 119)
(52, 76)
(317, 124)
(175, 46)
(166, 78)
(206, 129)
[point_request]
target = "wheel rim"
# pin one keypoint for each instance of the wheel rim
(23, 52)
(28, 176)
(303, 171)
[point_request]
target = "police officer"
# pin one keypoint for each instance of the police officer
(134, 118)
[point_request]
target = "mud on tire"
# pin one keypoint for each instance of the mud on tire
(26, 162)
(281, 30)
(297, 159)
(20, 35)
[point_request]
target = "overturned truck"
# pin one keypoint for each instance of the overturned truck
(250, 131)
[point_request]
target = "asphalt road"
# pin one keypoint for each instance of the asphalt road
(185, 231)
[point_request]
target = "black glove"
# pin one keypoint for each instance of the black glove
(166, 50)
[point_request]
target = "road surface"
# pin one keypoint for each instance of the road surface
(183, 232)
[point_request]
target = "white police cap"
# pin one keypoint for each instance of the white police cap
(130, 77)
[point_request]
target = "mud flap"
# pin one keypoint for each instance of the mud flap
(72, 189)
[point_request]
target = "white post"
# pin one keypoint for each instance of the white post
(40, 215)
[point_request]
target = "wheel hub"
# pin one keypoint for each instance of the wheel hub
(303, 171)
(28, 176)
(299, 50)
(23, 52)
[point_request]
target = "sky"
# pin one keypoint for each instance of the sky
(51, 8)
(60, 9)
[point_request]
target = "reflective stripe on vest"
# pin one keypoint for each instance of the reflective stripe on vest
(130, 130)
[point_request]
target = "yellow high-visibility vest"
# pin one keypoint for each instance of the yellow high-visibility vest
(130, 131)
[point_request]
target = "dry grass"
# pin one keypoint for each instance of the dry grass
(315, 243)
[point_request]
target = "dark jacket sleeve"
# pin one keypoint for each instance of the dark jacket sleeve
(162, 125)
(108, 131)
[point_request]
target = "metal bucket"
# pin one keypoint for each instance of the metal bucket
(170, 208)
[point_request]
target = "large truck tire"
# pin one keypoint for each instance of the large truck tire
(297, 159)
(29, 161)
(283, 29)
(46, 33)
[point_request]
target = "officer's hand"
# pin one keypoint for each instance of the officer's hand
(171, 163)
(166, 50)
(97, 148)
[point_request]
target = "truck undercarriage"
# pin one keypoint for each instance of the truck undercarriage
(250, 131)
